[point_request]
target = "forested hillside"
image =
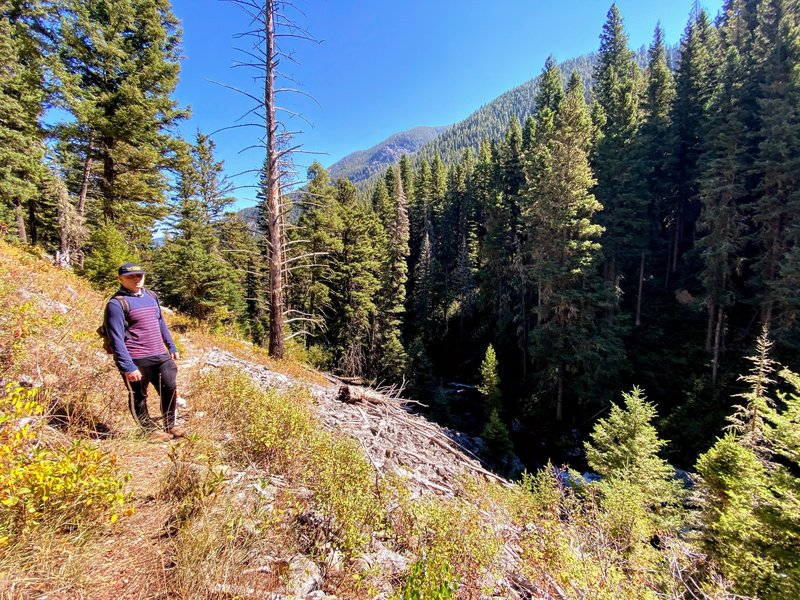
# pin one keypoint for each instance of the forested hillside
(636, 227)
(642, 238)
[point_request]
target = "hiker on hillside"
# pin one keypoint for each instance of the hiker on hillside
(143, 350)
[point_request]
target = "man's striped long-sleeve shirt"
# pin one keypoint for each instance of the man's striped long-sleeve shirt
(145, 334)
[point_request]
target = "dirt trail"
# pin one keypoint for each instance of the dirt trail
(134, 560)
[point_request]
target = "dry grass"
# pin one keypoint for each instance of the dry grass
(258, 481)
(193, 530)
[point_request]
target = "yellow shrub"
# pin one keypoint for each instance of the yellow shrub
(60, 487)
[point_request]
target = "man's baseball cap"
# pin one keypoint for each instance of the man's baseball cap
(131, 268)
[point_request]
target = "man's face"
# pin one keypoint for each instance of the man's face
(132, 283)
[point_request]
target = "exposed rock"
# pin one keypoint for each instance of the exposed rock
(303, 576)
(390, 563)
(683, 296)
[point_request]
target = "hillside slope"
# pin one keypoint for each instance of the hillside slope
(364, 163)
(289, 486)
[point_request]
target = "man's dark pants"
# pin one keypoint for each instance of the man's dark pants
(162, 372)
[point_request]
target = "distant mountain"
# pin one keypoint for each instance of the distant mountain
(360, 165)
(492, 119)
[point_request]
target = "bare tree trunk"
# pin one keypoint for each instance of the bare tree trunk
(107, 183)
(560, 398)
(639, 296)
(678, 225)
(669, 259)
(87, 169)
(538, 303)
(710, 327)
(273, 200)
(33, 233)
(717, 345)
(23, 236)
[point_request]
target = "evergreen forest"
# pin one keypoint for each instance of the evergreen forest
(632, 236)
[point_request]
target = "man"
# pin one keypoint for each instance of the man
(143, 350)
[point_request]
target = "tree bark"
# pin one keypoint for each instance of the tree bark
(87, 168)
(107, 184)
(717, 345)
(33, 234)
(560, 398)
(23, 236)
(678, 225)
(710, 327)
(639, 295)
(273, 200)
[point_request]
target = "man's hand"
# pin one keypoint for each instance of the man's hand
(134, 375)
(174, 355)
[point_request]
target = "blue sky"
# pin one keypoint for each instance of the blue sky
(383, 66)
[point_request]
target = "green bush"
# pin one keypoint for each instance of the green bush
(429, 579)
(279, 430)
(108, 251)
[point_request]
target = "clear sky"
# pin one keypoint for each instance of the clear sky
(384, 66)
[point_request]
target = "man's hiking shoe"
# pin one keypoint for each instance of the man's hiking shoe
(159, 436)
(178, 432)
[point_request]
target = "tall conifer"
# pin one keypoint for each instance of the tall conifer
(695, 81)
(119, 69)
(616, 91)
(561, 214)
(722, 186)
(652, 154)
(776, 211)
(353, 283)
(390, 360)
(21, 106)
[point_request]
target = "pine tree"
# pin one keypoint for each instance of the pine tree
(463, 214)
(560, 214)
(695, 81)
(388, 357)
(418, 210)
(498, 441)
(214, 187)
(748, 488)
(239, 247)
(353, 283)
(721, 191)
(616, 92)
(108, 250)
(193, 275)
(639, 494)
(550, 96)
(119, 67)
(482, 193)
(314, 237)
(21, 106)
(381, 203)
(652, 154)
(503, 281)
(777, 162)
(407, 177)
(489, 386)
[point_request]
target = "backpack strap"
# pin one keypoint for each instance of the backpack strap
(154, 296)
(126, 307)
